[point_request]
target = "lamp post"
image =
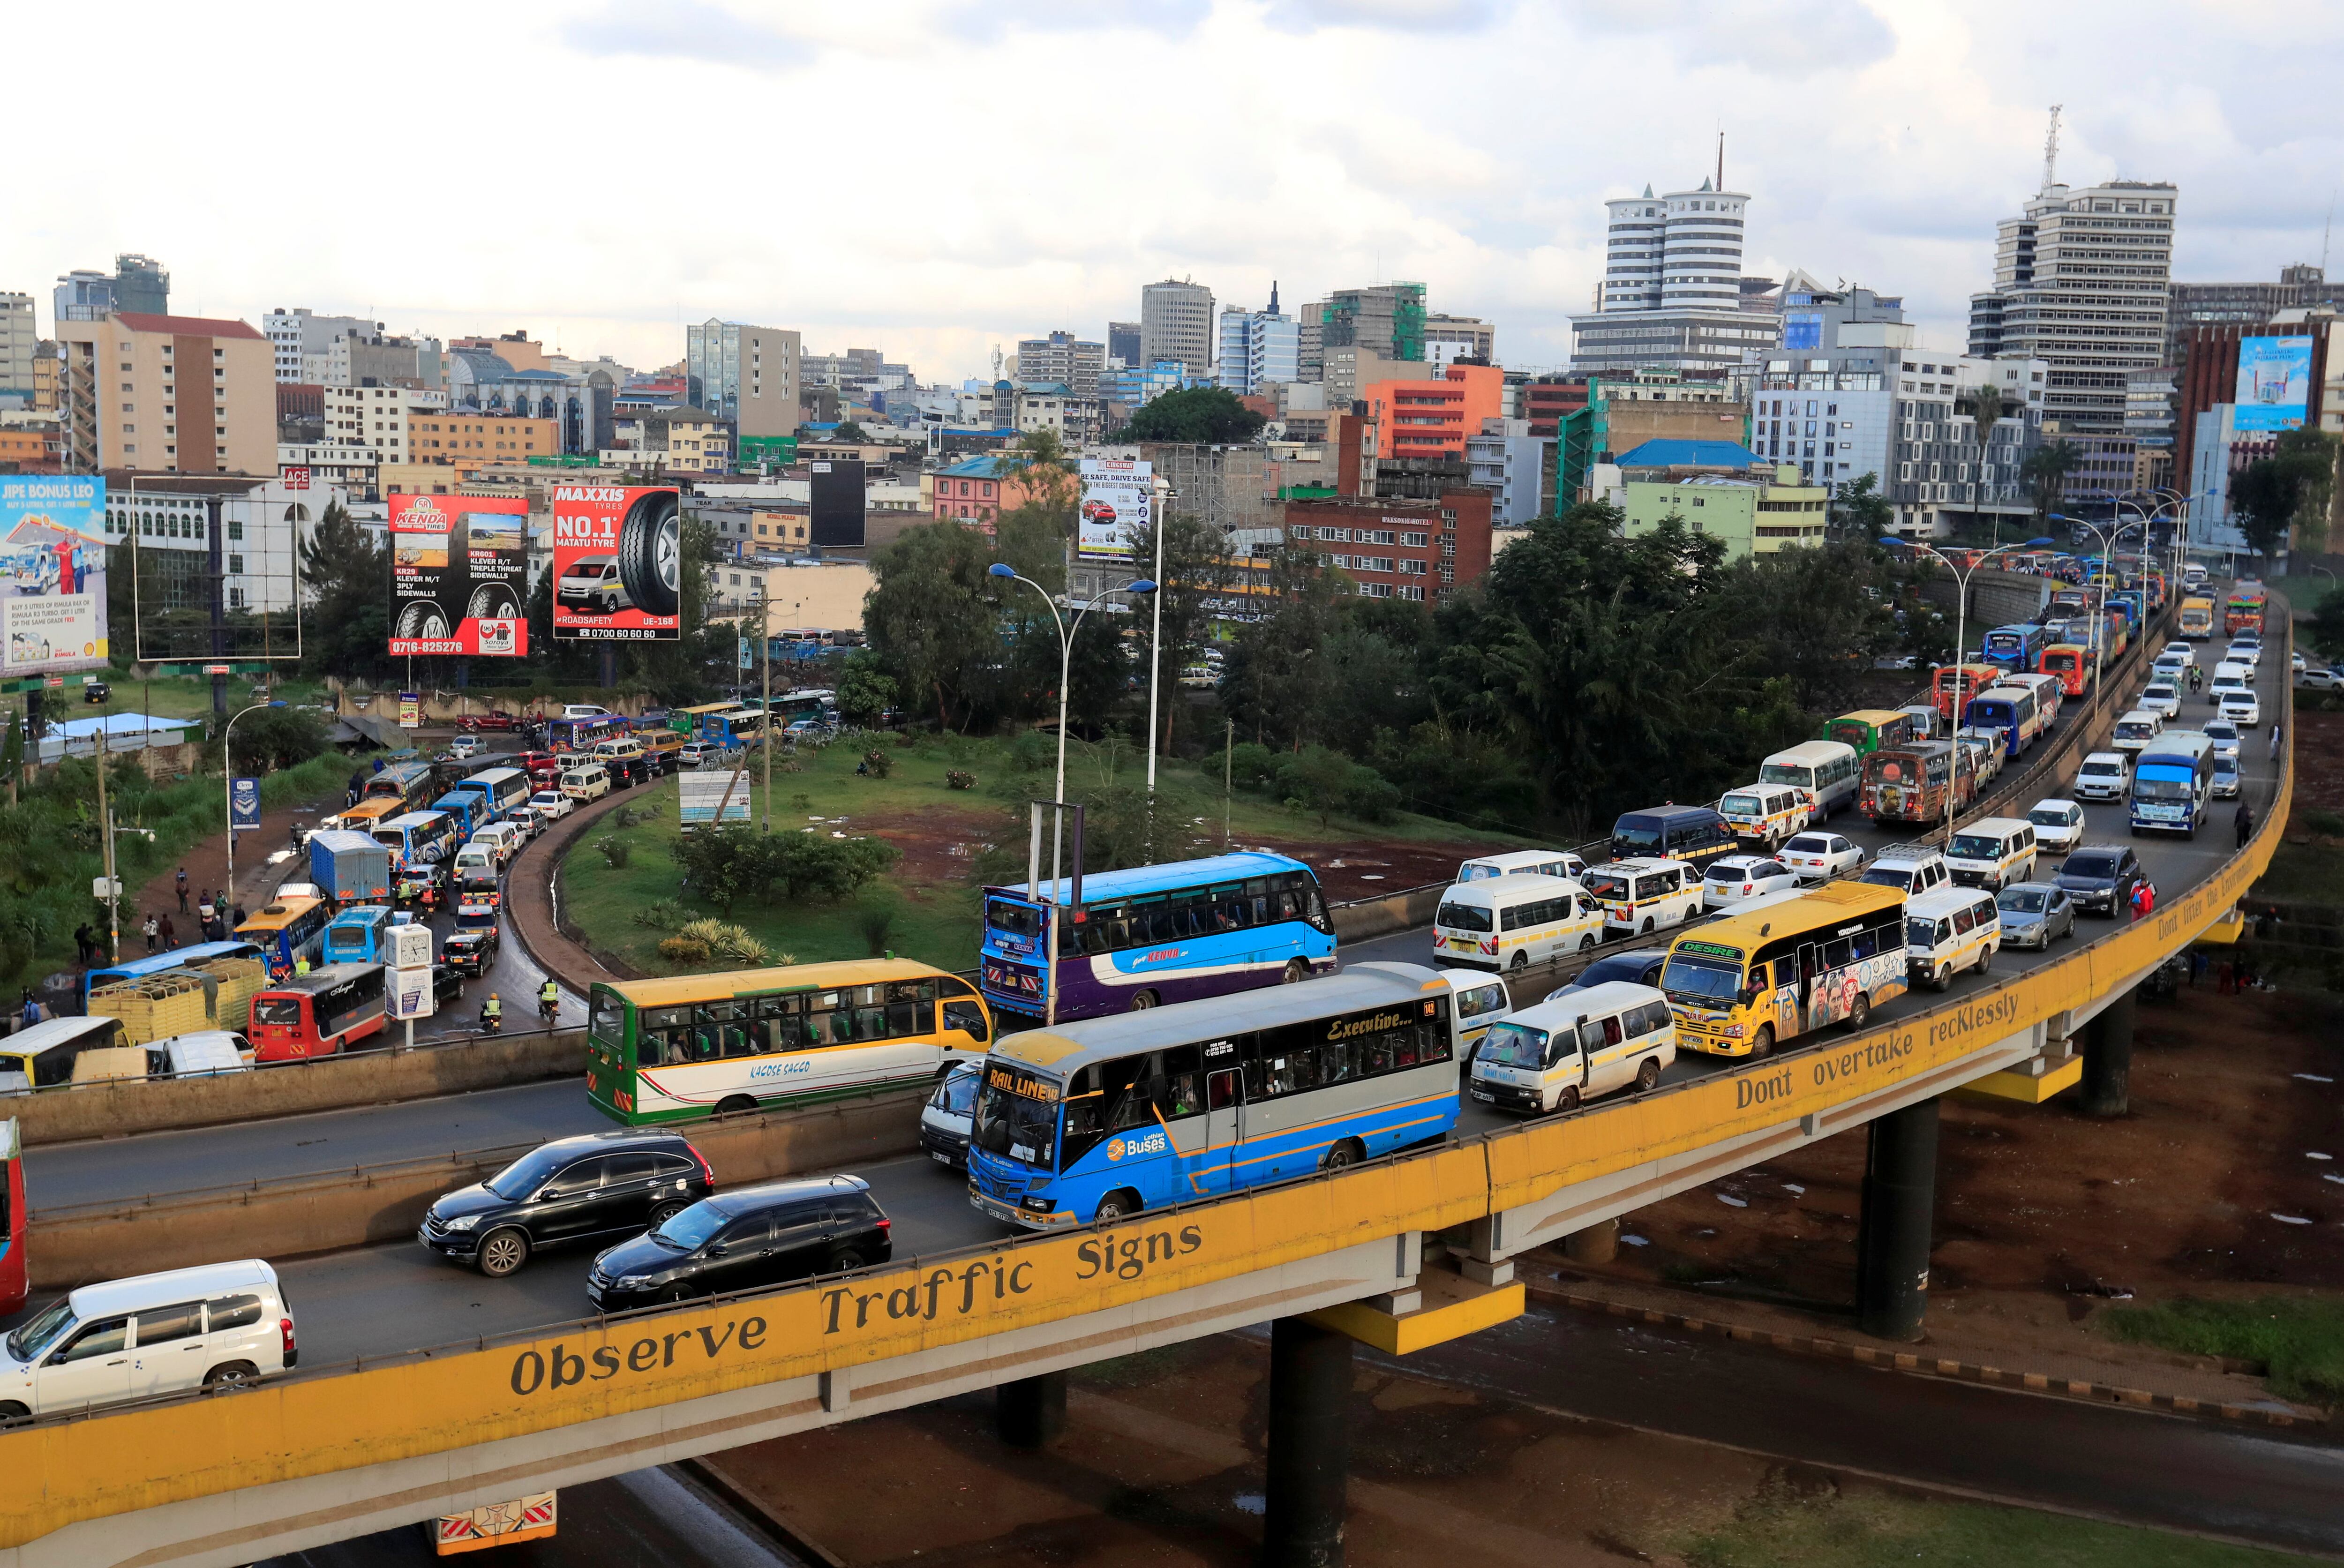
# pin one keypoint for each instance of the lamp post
(228, 787)
(1961, 639)
(1066, 630)
(2107, 537)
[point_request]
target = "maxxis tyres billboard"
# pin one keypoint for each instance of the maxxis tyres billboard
(618, 564)
(459, 574)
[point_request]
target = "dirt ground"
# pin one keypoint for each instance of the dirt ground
(2227, 1178)
(2320, 759)
(1162, 1465)
(937, 844)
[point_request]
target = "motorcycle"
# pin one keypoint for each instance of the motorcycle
(491, 1023)
(547, 1007)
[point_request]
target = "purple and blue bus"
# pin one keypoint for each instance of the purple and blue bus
(1126, 940)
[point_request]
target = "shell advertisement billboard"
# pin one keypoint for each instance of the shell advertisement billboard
(53, 556)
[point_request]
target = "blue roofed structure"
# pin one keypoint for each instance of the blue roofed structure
(1684, 454)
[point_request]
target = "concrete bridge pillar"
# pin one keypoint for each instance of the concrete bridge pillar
(1900, 1179)
(1031, 1412)
(2106, 1088)
(1599, 1243)
(1309, 1446)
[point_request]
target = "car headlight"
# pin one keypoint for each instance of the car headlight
(463, 1222)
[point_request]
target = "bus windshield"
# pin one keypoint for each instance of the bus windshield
(1701, 982)
(1780, 773)
(1017, 919)
(1017, 1115)
(1514, 1046)
(2161, 785)
(1463, 917)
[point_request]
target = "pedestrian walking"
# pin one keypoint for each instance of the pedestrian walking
(2140, 899)
(29, 1012)
(2224, 977)
(169, 934)
(205, 908)
(236, 916)
(183, 890)
(2276, 730)
(84, 943)
(2197, 967)
(151, 929)
(2244, 820)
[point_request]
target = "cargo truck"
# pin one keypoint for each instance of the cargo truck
(349, 868)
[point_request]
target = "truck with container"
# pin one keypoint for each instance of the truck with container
(349, 868)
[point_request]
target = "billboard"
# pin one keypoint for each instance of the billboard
(2274, 390)
(838, 510)
(243, 803)
(458, 570)
(52, 573)
(618, 564)
(1115, 507)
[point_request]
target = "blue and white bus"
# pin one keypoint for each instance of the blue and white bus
(158, 963)
(418, 838)
(2016, 648)
(1130, 940)
(361, 935)
(1116, 1117)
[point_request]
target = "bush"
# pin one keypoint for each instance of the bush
(727, 941)
(877, 925)
(1323, 781)
(878, 760)
(684, 950)
(660, 915)
(1248, 765)
(959, 778)
(615, 852)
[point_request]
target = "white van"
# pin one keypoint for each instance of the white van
(1828, 771)
(2241, 708)
(1544, 862)
(1477, 1001)
(2136, 730)
(223, 1325)
(1553, 1055)
(1766, 814)
(1948, 931)
(1993, 852)
(1917, 868)
(476, 864)
(2104, 775)
(1644, 894)
(504, 839)
(586, 784)
(2229, 676)
(1514, 921)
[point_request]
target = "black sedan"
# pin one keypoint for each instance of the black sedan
(744, 1240)
(571, 1189)
(2100, 878)
(471, 950)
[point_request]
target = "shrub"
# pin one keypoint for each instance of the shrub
(615, 852)
(660, 915)
(725, 941)
(1248, 765)
(959, 778)
(879, 761)
(684, 950)
(877, 925)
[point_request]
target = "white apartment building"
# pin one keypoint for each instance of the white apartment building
(378, 419)
(295, 335)
(263, 523)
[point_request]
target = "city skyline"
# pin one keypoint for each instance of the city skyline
(1880, 144)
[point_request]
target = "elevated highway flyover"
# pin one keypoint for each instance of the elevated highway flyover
(1400, 1253)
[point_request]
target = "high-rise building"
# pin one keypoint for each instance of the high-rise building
(747, 375)
(2081, 281)
(2196, 305)
(18, 339)
(1387, 319)
(138, 283)
(185, 393)
(1310, 342)
(1448, 338)
(1673, 296)
(1259, 348)
(296, 333)
(1064, 358)
(1123, 343)
(1175, 322)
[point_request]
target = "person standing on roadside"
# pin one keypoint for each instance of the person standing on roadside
(183, 890)
(150, 930)
(84, 943)
(169, 934)
(2243, 819)
(2277, 728)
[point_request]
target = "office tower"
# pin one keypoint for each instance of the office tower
(1175, 322)
(748, 374)
(1064, 360)
(1673, 296)
(17, 341)
(1259, 348)
(1386, 320)
(1123, 343)
(138, 283)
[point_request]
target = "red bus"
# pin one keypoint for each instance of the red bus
(12, 1221)
(320, 1014)
(2071, 663)
(1971, 678)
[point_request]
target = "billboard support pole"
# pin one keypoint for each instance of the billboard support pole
(216, 568)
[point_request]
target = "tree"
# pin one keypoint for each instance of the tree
(2044, 471)
(865, 689)
(1983, 405)
(2325, 633)
(1860, 509)
(1273, 679)
(848, 430)
(1204, 416)
(934, 619)
(2289, 490)
(1195, 575)
(1043, 466)
(277, 738)
(345, 628)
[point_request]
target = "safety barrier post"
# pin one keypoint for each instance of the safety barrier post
(1031, 1412)
(1892, 1265)
(1309, 1446)
(2106, 1088)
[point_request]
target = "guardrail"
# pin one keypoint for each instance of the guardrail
(817, 1337)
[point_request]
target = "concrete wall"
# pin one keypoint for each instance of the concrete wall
(1996, 598)
(1399, 911)
(386, 1203)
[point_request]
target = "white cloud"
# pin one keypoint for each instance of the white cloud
(941, 175)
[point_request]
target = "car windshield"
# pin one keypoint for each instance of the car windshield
(2222, 730)
(32, 1338)
(1701, 982)
(1723, 872)
(1889, 877)
(529, 1172)
(2022, 900)
(1605, 884)
(2089, 866)
(2110, 766)
(1463, 917)
(545, 798)
(2043, 816)
(1976, 847)
(1806, 844)
(956, 1094)
(690, 1231)
(1920, 933)
(1014, 919)
(1514, 1046)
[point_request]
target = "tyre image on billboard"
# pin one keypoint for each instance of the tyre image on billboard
(618, 564)
(459, 567)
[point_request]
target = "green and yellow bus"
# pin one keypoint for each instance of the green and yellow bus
(1740, 985)
(1868, 729)
(704, 1045)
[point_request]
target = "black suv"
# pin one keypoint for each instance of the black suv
(2100, 877)
(572, 1190)
(744, 1240)
(469, 949)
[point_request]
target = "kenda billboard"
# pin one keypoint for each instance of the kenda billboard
(618, 564)
(53, 555)
(459, 568)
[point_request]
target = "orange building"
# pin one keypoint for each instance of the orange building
(1432, 418)
(468, 439)
(29, 449)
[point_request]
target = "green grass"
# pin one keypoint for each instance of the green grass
(192, 698)
(2300, 1339)
(2303, 873)
(933, 918)
(1785, 1527)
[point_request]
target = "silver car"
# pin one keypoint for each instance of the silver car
(2035, 915)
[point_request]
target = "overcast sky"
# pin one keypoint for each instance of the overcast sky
(937, 176)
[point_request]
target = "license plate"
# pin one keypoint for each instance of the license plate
(939, 1157)
(1485, 1097)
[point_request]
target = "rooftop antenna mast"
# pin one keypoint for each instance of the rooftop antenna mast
(1720, 160)
(2051, 150)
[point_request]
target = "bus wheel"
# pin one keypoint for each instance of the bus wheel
(1859, 1014)
(733, 1104)
(503, 1252)
(1297, 971)
(1648, 1075)
(1763, 1043)
(1143, 1000)
(1342, 1156)
(1120, 1204)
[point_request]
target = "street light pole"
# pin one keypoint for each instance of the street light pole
(2107, 573)
(228, 786)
